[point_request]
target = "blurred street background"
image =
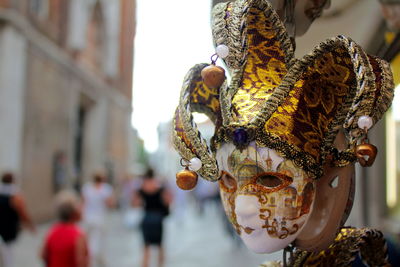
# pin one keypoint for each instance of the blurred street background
(89, 85)
(194, 240)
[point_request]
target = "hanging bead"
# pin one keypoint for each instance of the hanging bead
(222, 51)
(186, 179)
(195, 164)
(365, 122)
(213, 76)
(365, 152)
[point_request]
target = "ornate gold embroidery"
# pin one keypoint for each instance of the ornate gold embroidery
(304, 117)
(264, 69)
(348, 243)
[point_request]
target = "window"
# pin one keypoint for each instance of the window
(95, 39)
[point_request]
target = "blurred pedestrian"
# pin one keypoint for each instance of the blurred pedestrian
(13, 215)
(65, 244)
(206, 193)
(155, 199)
(98, 198)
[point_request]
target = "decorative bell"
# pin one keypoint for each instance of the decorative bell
(366, 150)
(213, 76)
(186, 179)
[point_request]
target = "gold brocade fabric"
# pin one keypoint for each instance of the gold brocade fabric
(383, 82)
(304, 116)
(180, 133)
(369, 244)
(186, 138)
(264, 69)
(202, 98)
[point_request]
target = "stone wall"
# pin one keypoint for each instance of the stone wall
(49, 128)
(12, 95)
(60, 120)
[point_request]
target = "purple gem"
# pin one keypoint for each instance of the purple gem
(240, 137)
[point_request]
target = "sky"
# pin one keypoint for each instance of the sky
(171, 37)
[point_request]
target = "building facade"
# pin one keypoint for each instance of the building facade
(65, 93)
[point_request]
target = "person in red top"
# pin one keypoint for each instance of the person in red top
(65, 244)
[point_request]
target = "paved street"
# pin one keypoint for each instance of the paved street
(192, 241)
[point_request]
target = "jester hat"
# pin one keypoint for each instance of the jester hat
(294, 106)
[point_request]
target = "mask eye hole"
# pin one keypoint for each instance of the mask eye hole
(273, 180)
(227, 182)
(269, 180)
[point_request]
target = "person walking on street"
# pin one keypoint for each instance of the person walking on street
(98, 198)
(65, 244)
(155, 199)
(13, 214)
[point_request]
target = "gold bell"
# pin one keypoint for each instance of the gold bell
(186, 179)
(366, 150)
(213, 76)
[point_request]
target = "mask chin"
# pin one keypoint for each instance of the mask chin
(260, 243)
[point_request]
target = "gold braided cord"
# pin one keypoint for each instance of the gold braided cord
(225, 104)
(374, 100)
(209, 169)
(226, 34)
(350, 242)
(179, 143)
(364, 99)
(195, 144)
(265, 139)
(226, 30)
(386, 91)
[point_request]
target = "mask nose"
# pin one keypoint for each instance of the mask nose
(246, 206)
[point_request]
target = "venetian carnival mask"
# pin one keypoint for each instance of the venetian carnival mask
(286, 129)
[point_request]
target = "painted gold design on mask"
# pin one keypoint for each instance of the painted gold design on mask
(227, 182)
(285, 193)
(227, 192)
(267, 182)
(248, 230)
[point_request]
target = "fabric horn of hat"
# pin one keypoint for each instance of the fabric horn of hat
(295, 106)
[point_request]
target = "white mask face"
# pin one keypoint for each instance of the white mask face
(266, 198)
